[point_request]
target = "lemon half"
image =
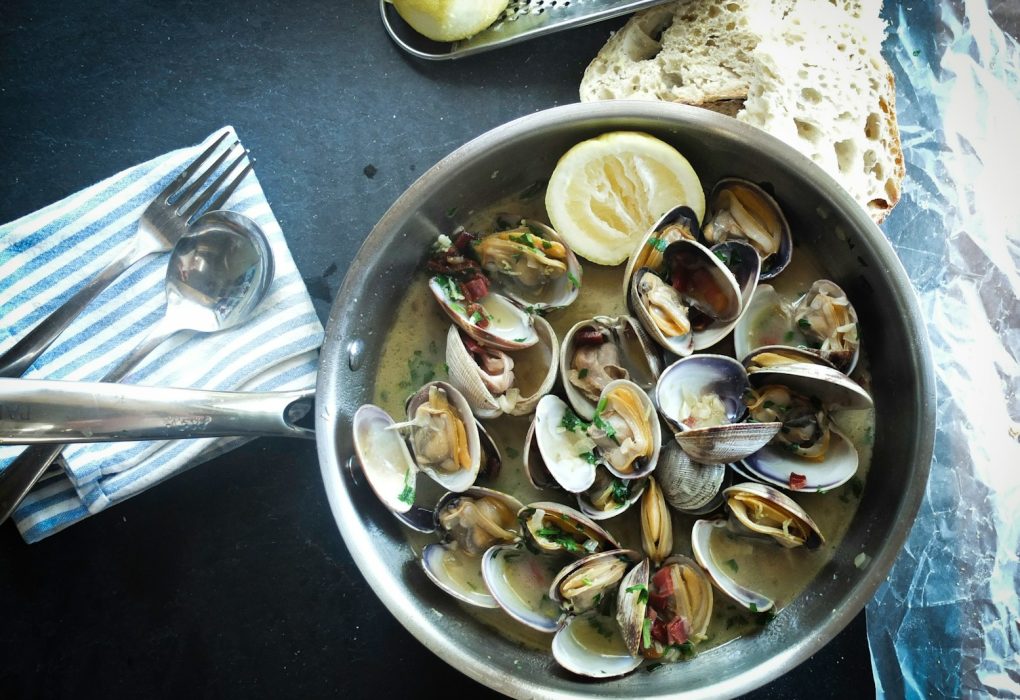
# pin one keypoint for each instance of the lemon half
(449, 20)
(607, 192)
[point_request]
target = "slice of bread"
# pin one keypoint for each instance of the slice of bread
(808, 71)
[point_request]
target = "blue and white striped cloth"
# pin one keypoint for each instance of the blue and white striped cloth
(47, 256)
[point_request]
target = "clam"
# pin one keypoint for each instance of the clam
(492, 319)
(624, 436)
(744, 264)
(553, 528)
(656, 524)
(741, 210)
(472, 523)
(701, 545)
(701, 397)
(762, 510)
(689, 486)
(690, 293)
(592, 645)
(493, 381)
(609, 495)
(822, 322)
(808, 453)
(519, 582)
(443, 435)
(583, 585)
(600, 350)
(679, 223)
(531, 265)
(662, 614)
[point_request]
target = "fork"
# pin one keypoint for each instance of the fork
(163, 222)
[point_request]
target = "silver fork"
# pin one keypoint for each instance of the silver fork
(163, 222)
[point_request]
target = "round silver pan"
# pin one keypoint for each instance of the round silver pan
(512, 157)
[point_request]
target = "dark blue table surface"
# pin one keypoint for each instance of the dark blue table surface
(232, 580)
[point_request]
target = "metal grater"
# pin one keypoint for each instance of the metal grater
(523, 19)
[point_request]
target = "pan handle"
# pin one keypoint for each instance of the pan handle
(45, 412)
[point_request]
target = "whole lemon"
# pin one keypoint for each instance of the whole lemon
(449, 20)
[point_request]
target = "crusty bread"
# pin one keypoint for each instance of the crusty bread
(808, 71)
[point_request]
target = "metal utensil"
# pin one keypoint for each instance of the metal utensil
(47, 412)
(217, 274)
(522, 19)
(162, 224)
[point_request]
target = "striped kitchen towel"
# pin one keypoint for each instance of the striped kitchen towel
(47, 256)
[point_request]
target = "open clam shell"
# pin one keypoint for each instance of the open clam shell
(656, 524)
(457, 573)
(385, 460)
(679, 593)
(769, 356)
(519, 582)
(553, 528)
(592, 645)
(631, 606)
(701, 397)
(497, 321)
(609, 495)
(775, 465)
(534, 466)
(692, 292)
(743, 262)
(600, 350)
(626, 428)
(833, 388)
(532, 265)
(532, 373)
(439, 447)
(701, 545)
(827, 319)
(584, 584)
(741, 210)
(565, 449)
(679, 223)
(765, 511)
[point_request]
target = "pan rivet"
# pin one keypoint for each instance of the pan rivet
(355, 354)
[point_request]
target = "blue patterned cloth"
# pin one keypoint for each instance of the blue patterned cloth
(47, 256)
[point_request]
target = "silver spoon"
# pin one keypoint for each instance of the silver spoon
(217, 275)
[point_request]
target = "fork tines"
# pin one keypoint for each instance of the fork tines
(183, 192)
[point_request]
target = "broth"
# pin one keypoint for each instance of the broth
(414, 354)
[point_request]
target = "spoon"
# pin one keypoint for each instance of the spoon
(217, 274)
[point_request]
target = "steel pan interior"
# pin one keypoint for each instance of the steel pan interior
(824, 218)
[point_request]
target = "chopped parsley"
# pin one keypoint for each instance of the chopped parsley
(732, 564)
(433, 348)
(605, 427)
(450, 288)
(646, 633)
(642, 590)
(857, 486)
(451, 212)
(519, 340)
(557, 536)
(753, 608)
(621, 490)
(788, 337)
(576, 283)
(582, 373)
(571, 422)
(596, 624)
(587, 581)
(658, 243)
(512, 453)
(654, 667)
(684, 651)
(724, 256)
(524, 239)
(419, 372)
(407, 495)
(804, 324)
(546, 244)
(589, 457)
(476, 317)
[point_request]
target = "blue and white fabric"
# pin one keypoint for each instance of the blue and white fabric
(47, 256)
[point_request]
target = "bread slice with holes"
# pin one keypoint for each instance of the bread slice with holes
(808, 71)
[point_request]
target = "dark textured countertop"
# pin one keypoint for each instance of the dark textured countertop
(232, 580)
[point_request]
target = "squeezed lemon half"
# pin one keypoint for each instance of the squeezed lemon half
(606, 193)
(449, 20)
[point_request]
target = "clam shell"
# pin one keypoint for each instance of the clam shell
(599, 575)
(656, 524)
(767, 320)
(534, 466)
(647, 410)
(457, 574)
(510, 327)
(700, 615)
(449, 499)
(556, 295)
(688, 486)
(639, 355)
(775, 465)
(701, 545)
(769, 356)
(540, 360)
(743, 262)
(761, 205)
(722, 444)
(585, 505)
(676, 224)
(631, 606)
(518, 581)
(557, 447)
(586, 654)
(462, 479)
(832, 387)
(846, 359)
(779, 501)
(385, 459)
(681, 345)
(544, 514)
